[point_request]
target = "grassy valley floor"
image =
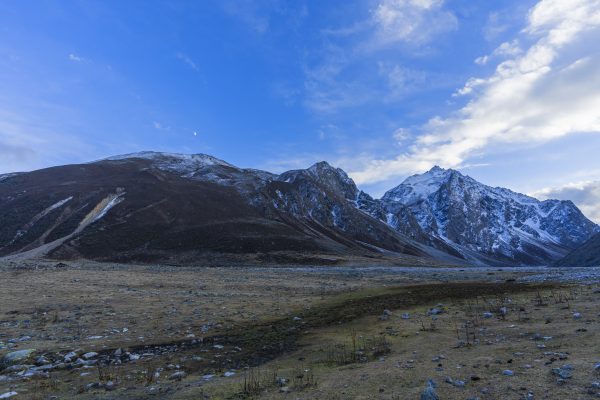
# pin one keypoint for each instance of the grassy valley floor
(107, 331)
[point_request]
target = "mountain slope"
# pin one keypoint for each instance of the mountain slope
(169, 207)
(484, 223)
(587, 255)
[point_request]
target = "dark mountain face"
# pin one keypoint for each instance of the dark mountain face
(484, 223)
(153, 206)
(587, 255)
(170, 207)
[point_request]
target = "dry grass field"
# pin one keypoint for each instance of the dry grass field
(102, 331)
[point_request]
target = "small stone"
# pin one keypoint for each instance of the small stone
(110, 385)
(565, 372)
(487, 315)
(229, 373)
(576, 315)
(405, 316)
(41, 360)
(177, 376)
(8, 395)
(69, 357)
(93, 385)
(429, 393)
(508, 372)
(89, 355)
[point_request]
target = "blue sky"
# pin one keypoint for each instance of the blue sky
(506, 91)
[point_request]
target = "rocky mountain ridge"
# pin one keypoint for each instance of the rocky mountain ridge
(154, 206)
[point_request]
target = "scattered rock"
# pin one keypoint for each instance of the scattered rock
(93, 385)
(405, 316)
(576, 315)
(429, 393)
(281, 381)
(8, 395)
(508, 372)
(487, 314)
(110, 385)
(69, 357)
(177, 376)
(41, 360)
(15, 357)
(564, 372)
(90, 355)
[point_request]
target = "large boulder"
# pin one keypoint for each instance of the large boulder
(15, 357)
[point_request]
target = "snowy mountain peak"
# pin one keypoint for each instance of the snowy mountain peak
(185, 165)
(419, 186)
(479, 219)
(196, 160)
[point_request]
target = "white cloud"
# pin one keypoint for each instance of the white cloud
(415, 21)
(550, 90)
(157, 125)
(188, 61)
(333, 83)
(76, 58)
(27, 142)
(586, 195)
(506, 49)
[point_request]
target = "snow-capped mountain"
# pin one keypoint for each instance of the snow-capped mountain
(478, 220)
(153, 206)
(192, 208)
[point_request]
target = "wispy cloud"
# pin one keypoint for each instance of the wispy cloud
(346, 76)
(75, 58)
(414, 21)
(188, 61)
(548, 91)
(506, 49)
(161, 127)
(27, 143)
(586, 195)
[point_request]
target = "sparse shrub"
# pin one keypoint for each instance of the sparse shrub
(257, 380)
(359, 349)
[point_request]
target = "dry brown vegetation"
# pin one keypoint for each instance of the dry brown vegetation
(270, 333)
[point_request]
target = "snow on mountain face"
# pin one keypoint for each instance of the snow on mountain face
(202, 167)
(496, 222)
(440, 208)
(183, 164)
